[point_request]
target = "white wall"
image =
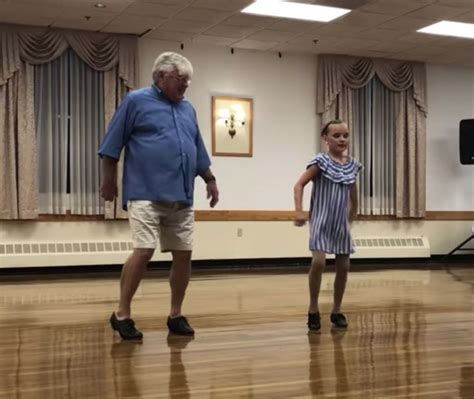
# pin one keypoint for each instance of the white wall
(449, 185)
(285, 122)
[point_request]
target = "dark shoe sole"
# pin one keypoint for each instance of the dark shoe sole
(182, 334)
(336, 327)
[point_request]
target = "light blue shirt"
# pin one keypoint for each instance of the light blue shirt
(164, 150)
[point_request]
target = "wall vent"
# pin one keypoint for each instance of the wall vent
(71, 253)
(392, 247)
(76, 253)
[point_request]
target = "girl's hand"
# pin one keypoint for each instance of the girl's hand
(300, 218)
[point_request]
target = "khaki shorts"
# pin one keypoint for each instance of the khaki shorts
(170, 222)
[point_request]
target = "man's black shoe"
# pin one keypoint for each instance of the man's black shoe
(126, 328)
(338, 320)
(179, 325)
(314, 322)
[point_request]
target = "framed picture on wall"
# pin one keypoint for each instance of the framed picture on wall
(232, 126)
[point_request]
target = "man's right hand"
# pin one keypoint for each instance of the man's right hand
(108, 190)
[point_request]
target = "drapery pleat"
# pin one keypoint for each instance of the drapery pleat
(337, 75)
(20, 48)
(18, 178)
(10, 61)
(115, 90)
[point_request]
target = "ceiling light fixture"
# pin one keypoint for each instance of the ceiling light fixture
(100, 5)
(450, 28)
(287, 9)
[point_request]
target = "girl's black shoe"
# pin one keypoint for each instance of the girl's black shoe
(338, 320)
(314, 321)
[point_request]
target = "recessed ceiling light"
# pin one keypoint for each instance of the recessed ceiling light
(450, 28)
(287, 9)
(100, 5)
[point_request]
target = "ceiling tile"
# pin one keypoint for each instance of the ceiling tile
(405, 24)
(234, 5)
(418, 38)
(217, 40)
(377, 34)
(83, 12)
(202, 14)
(290, 25)
(392, 46)
(363, 19)
(132, 24)
(350, 4)
(337, 30)
(436, 12)
(395, 8)
(29, 10)
(424, 50)
(251, 20)
(457, 3)
(310, 38)
(467, 17)
(231, 31)
(79, 22)
(354, 43)
(169, 36)
(176, 25)
(152, 10)
(272, 35)
(22, 19)
(179, 3)
(254, 44)
(456, 43)
(303, 47)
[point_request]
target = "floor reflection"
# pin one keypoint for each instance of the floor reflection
(124, 372)
(178, 382)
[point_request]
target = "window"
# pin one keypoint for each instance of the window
(69, 104)
(373, 144)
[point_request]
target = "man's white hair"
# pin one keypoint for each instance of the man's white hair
(169, 61)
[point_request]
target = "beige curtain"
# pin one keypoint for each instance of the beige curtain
(20, 48)
(115, 90)
(337, 75)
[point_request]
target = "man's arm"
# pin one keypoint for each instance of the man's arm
(211, 187)
(207, 176)
(108, 188)
(118, 134)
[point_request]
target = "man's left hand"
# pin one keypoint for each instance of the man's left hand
(212, 193)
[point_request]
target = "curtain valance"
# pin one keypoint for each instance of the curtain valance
(354, 72)
(100, 51)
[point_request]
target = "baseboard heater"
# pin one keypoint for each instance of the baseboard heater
(77, 253)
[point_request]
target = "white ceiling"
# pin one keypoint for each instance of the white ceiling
(375, 28)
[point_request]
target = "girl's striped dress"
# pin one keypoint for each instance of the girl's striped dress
(329, 211)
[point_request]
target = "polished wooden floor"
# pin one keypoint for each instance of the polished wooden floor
(411, 335)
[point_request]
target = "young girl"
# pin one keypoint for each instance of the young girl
(333, 206)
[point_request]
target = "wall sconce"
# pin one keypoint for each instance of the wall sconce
(233, 117)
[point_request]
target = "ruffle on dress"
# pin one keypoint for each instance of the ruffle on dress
(338, 173)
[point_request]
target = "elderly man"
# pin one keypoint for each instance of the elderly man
(164, 152)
